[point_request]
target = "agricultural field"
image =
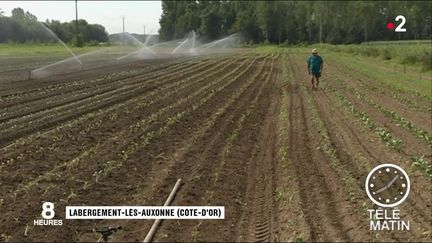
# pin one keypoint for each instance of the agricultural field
(241, 130)
(27, 56)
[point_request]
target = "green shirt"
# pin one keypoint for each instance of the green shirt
(314, 64)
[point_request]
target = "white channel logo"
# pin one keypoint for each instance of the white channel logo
(387, 185)
(48, 215)
(48, 210)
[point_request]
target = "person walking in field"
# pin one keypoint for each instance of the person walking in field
(315, 66)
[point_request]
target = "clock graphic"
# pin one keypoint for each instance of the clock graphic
(387, 185)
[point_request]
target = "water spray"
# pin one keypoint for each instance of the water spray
(181, 44)
(213, 43)
(143, 47)
(54, 35)
(192, 50)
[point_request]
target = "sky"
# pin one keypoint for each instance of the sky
(107, 13)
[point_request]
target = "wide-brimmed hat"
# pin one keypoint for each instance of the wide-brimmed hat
(314, 51)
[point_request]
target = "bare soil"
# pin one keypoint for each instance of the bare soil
(123, 135)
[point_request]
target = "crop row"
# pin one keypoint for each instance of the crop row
(88, 104)
(137, 129)
(366, 120)
(58, 98)
(126, 109)
(420, 163)
(73, 86)
(231, 139)
(328, 148)
(245, 115)
(207, 124)
(135, 105)
(398, 119)
(348, 175)
(410, 102)
(97, 91)
(352, 186)
(146, 138)
(330, 151)
(288, 195)
(66, 97)
(234, 135)
(284, 118)
(369, 85)
(395, 88)
(113, 113)
(384, 134)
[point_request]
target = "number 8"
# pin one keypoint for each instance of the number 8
(48, 210)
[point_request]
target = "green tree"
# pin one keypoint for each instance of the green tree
(211, 22)
(228, 16)
(24, 27)
(168, 20)
(246, 22)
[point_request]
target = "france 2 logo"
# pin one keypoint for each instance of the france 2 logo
(399, 28)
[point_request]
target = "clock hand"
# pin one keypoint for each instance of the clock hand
(380, 190)
(392, 181)
(387, 186)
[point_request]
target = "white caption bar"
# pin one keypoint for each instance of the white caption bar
(145, 212)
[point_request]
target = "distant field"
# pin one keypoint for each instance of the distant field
(391, 73)
(407, 52)
(401, 42)
(40, 49)
(404, 66)
(383, 61)
(31, 56)
(23, 56)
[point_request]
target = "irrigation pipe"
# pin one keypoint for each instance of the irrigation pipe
(156, 223)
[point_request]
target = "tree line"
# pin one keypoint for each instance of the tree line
(336, 22)
(24, 27)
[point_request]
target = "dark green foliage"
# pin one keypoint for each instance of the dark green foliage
(24, 27)
(211, 22)
(294, 22)
(77, 41)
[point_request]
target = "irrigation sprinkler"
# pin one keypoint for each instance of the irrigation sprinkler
(156, 223)
(106, 232)
(181, 44)
(46, 28)
(144, 47)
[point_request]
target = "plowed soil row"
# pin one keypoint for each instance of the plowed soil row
(105, 125)
(37, 119)
(323, 197)
(404, 97)
(23, 84)
(381, 95)
(244, 132)
(201, 95)
(412, 145)
(360, 149)
(47, 96)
